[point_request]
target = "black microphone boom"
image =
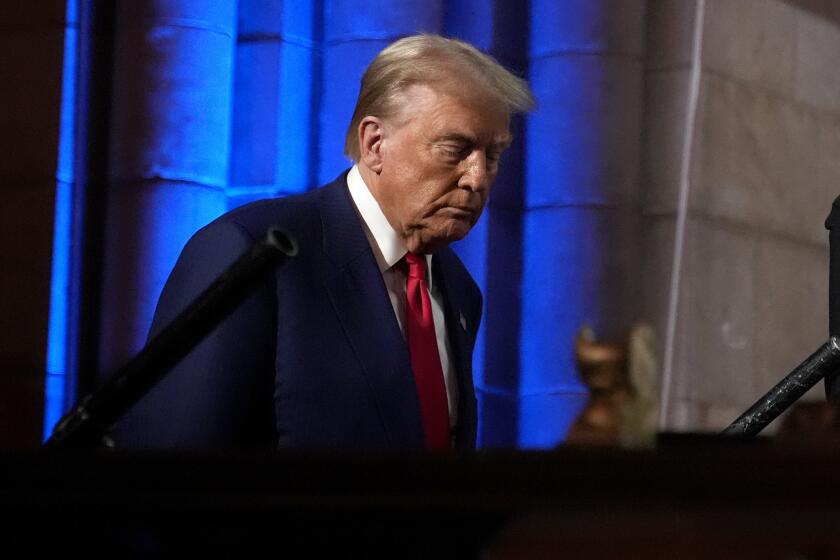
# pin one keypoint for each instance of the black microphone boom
(87, 424)
(825, 362)
(807, 374)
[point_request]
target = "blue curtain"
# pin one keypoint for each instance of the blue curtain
(219, 103)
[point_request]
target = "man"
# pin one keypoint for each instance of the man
(365, 339)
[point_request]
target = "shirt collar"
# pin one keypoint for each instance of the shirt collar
(388, 247)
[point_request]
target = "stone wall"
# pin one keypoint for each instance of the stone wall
(764, 170)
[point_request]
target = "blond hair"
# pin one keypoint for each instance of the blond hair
(430, 59)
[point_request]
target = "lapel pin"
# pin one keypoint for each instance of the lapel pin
(463, 321)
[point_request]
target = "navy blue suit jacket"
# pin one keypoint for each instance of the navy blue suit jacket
(315, 356)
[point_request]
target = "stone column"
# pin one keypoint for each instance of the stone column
(170, 135)
(256, 101)
(581, 240)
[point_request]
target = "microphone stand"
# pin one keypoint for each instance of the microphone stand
(86, 425)
(825, 361)
(807, 374)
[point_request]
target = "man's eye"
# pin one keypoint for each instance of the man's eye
(452, 151)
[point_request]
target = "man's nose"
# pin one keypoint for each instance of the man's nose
(476, 176)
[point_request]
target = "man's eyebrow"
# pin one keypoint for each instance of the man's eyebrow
(455, 137)
(501, 144)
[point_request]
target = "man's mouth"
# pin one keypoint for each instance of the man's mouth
(459, 212)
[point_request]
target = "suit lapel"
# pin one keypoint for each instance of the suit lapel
(360, 299)
(461, 335)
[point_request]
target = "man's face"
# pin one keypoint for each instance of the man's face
(439, 157)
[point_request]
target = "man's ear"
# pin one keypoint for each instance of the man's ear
(370, 143)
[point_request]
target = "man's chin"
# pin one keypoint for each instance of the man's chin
(455, 232)
(433, 241)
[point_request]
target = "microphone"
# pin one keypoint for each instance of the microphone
(87, 424)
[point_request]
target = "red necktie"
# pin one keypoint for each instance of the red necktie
(425, 360)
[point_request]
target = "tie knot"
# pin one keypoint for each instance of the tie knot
(416, 265)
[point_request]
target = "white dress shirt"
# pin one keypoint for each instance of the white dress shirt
(389, 248)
